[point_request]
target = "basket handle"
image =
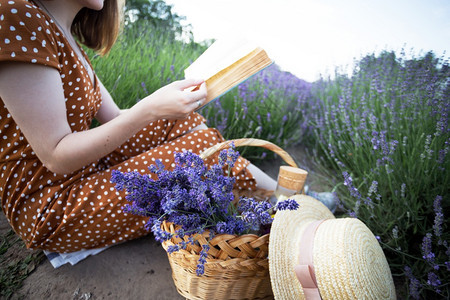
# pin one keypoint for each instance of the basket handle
(250, 142)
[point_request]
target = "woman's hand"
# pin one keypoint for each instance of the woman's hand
(37, 104)
(175, 100)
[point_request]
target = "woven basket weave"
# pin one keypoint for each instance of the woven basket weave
(237, 266)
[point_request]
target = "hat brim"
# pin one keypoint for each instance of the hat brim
(285, 233)
(348, 260)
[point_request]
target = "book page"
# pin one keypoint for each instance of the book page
(219, 56)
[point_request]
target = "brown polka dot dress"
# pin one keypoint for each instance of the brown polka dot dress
(81, 210)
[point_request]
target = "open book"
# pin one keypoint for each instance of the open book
(225, 64)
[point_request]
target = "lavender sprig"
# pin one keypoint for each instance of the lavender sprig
(414, 284)
(289, 204)
(195, 197)
(202, 260)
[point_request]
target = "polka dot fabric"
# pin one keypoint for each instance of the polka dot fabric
(82, 210)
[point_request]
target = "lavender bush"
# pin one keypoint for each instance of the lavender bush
(384, 131)
(271, 105)
(195, 197)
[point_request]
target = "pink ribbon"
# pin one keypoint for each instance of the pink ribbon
(305, 269)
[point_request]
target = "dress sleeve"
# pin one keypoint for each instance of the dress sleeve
(26, 35)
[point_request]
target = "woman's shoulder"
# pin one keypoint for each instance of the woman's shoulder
(18, 15)
(15, 7)
(26, 34)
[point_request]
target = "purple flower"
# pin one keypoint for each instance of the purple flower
(427, 253)
(442, 155)
(251, 218)
(372, 190)
(330, 149)
(352, 214)
(231, 225)
(175, 248)
(255, 213)
(289, 204)
(439, 216)
(414, 284)
(200, 269)
(144, 87)
(433, 280)
(202, 260)
(403, 190)
(192, 196)
(395, 232)
(348, 181)
(160, 235)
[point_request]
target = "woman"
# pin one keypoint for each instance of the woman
(55, 182)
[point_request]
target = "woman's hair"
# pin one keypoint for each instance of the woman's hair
(98, 30)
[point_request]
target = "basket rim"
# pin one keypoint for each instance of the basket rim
(258, 244)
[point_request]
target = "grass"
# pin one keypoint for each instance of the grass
(16, 263)
(143, 60)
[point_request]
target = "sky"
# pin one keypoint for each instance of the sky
(311, 38)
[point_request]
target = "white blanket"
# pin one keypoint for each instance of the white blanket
(59, 259)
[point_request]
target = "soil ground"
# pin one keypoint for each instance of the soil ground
(137, 269)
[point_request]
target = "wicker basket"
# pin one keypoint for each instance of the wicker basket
(237, 266)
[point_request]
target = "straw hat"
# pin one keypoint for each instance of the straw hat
(339, 256)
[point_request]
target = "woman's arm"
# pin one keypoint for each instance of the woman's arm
(34, 97)
(109, 109)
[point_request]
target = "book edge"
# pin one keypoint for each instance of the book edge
(235, 85)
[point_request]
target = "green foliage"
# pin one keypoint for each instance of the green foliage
(385, 132)
(155, 13)
(15, 263)
(271, 105)
(144, 59)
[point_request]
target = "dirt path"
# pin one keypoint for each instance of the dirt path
(137, 269)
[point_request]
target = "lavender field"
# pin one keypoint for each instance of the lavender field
(380, 135)
(384, 131)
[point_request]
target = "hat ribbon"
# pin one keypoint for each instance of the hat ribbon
(305, 269)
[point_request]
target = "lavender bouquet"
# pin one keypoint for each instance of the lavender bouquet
(196, 198)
